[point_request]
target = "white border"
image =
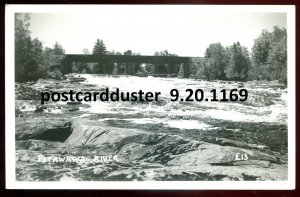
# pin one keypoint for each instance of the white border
(11, 182)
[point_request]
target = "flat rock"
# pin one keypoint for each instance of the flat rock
(220, 155)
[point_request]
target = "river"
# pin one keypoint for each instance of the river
(164, 137)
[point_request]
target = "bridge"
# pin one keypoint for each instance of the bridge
(129, 60)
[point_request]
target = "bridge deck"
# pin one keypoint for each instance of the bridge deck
(127, 59)
(130, 69)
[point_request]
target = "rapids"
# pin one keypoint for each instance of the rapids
(266, 103)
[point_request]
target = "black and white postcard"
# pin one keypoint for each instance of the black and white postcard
(150, 96)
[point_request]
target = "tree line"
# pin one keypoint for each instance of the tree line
(32, 60)
(266, 61)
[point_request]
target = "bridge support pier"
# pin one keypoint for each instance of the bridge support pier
(67, 67)
(129, 69)
(184, 71)
(116, 69)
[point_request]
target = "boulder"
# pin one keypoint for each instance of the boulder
(42, 128)
(91, 132)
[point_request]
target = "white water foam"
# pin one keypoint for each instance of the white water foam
(265, 103)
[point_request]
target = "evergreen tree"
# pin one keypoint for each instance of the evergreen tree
(99, 48)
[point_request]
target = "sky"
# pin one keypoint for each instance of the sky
(185, 32)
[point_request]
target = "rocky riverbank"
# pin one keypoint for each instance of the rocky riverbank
(65, 141)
